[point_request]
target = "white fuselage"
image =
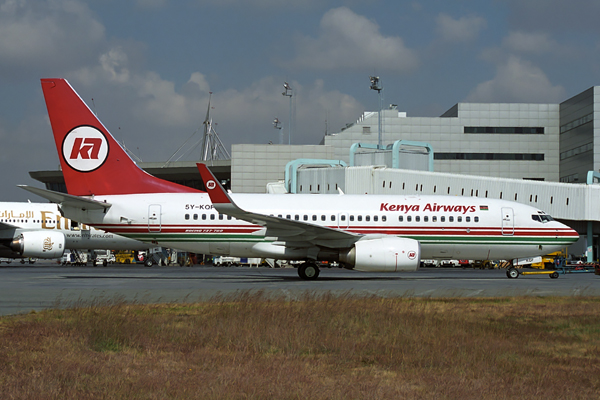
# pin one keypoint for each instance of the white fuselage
(28, 217)
(446, 226)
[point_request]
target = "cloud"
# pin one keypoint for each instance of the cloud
(348, 41)
(530, 43)
(464, 29)
(517, 81)
(153, 114)
(26, 150)
(39, 37)
(251, 111)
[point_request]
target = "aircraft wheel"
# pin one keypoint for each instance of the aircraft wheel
(554, 275)
(149, 263)
(512, 273)
(308, 271)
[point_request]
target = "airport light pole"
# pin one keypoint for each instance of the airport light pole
(277, 125)
(288, 92)
(376, 85)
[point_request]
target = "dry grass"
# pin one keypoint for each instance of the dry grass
(323, 347)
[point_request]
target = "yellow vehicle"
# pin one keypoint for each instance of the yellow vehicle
(548, 261)
(125, 257)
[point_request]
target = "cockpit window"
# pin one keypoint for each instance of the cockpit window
(543, 218)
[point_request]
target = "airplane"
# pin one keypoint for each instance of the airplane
(106, 189)
(37, 230)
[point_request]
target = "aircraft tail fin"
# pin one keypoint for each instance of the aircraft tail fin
(92, 161)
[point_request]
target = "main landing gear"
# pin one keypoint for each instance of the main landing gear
(308, 271)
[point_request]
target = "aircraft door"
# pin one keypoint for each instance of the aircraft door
(154, 222)
(508, 221)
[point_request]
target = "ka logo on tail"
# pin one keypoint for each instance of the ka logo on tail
(85, 148)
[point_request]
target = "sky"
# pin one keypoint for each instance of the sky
(146, 67)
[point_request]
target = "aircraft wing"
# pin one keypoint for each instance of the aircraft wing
(67, 199)
(7, 231)
(4, 225)
(289, 230)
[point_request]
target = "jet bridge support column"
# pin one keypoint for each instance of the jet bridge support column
(592, 177)
(590, 242)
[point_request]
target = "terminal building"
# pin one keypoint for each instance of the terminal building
(514, 143)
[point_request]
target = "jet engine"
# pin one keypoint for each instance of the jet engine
(39, 244)
(384, 254)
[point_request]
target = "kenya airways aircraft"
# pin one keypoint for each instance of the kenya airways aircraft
(38, 230)
(364, 232)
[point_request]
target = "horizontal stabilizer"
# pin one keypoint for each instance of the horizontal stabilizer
(67, 199)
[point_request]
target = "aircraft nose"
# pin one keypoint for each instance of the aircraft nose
(568, 233)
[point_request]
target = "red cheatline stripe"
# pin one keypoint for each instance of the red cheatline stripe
(449, 232)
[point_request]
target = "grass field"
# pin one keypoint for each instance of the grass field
(248, 346)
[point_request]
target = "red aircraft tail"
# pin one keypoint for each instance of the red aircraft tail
(92, 161)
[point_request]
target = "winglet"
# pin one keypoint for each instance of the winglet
(217, 193)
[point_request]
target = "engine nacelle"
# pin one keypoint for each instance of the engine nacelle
(386, 254)
(39, 244)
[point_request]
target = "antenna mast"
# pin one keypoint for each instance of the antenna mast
(212, 147)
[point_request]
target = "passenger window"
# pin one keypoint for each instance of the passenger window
(297, 217)
(367, 218)
(203, 216)
(359, 218)
(343, 217)
(333, 217)
(476, 219)
(187, 216)
(468, 219)
(450, 219)
(458, 219)
(442, 219)
(408, 218)
(280, 216)
(400, 218)
(323, 218)
(434, 218)
(352, 218)
(426, 219)
(383, 218)
(212, 216)
(229, 217)
(288, 216)
(375, 218)
(305, 217)
(418, 218)
(221, 217)
(195, 217)
(314, 217)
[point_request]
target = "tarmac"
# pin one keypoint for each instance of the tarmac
(26, 288)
